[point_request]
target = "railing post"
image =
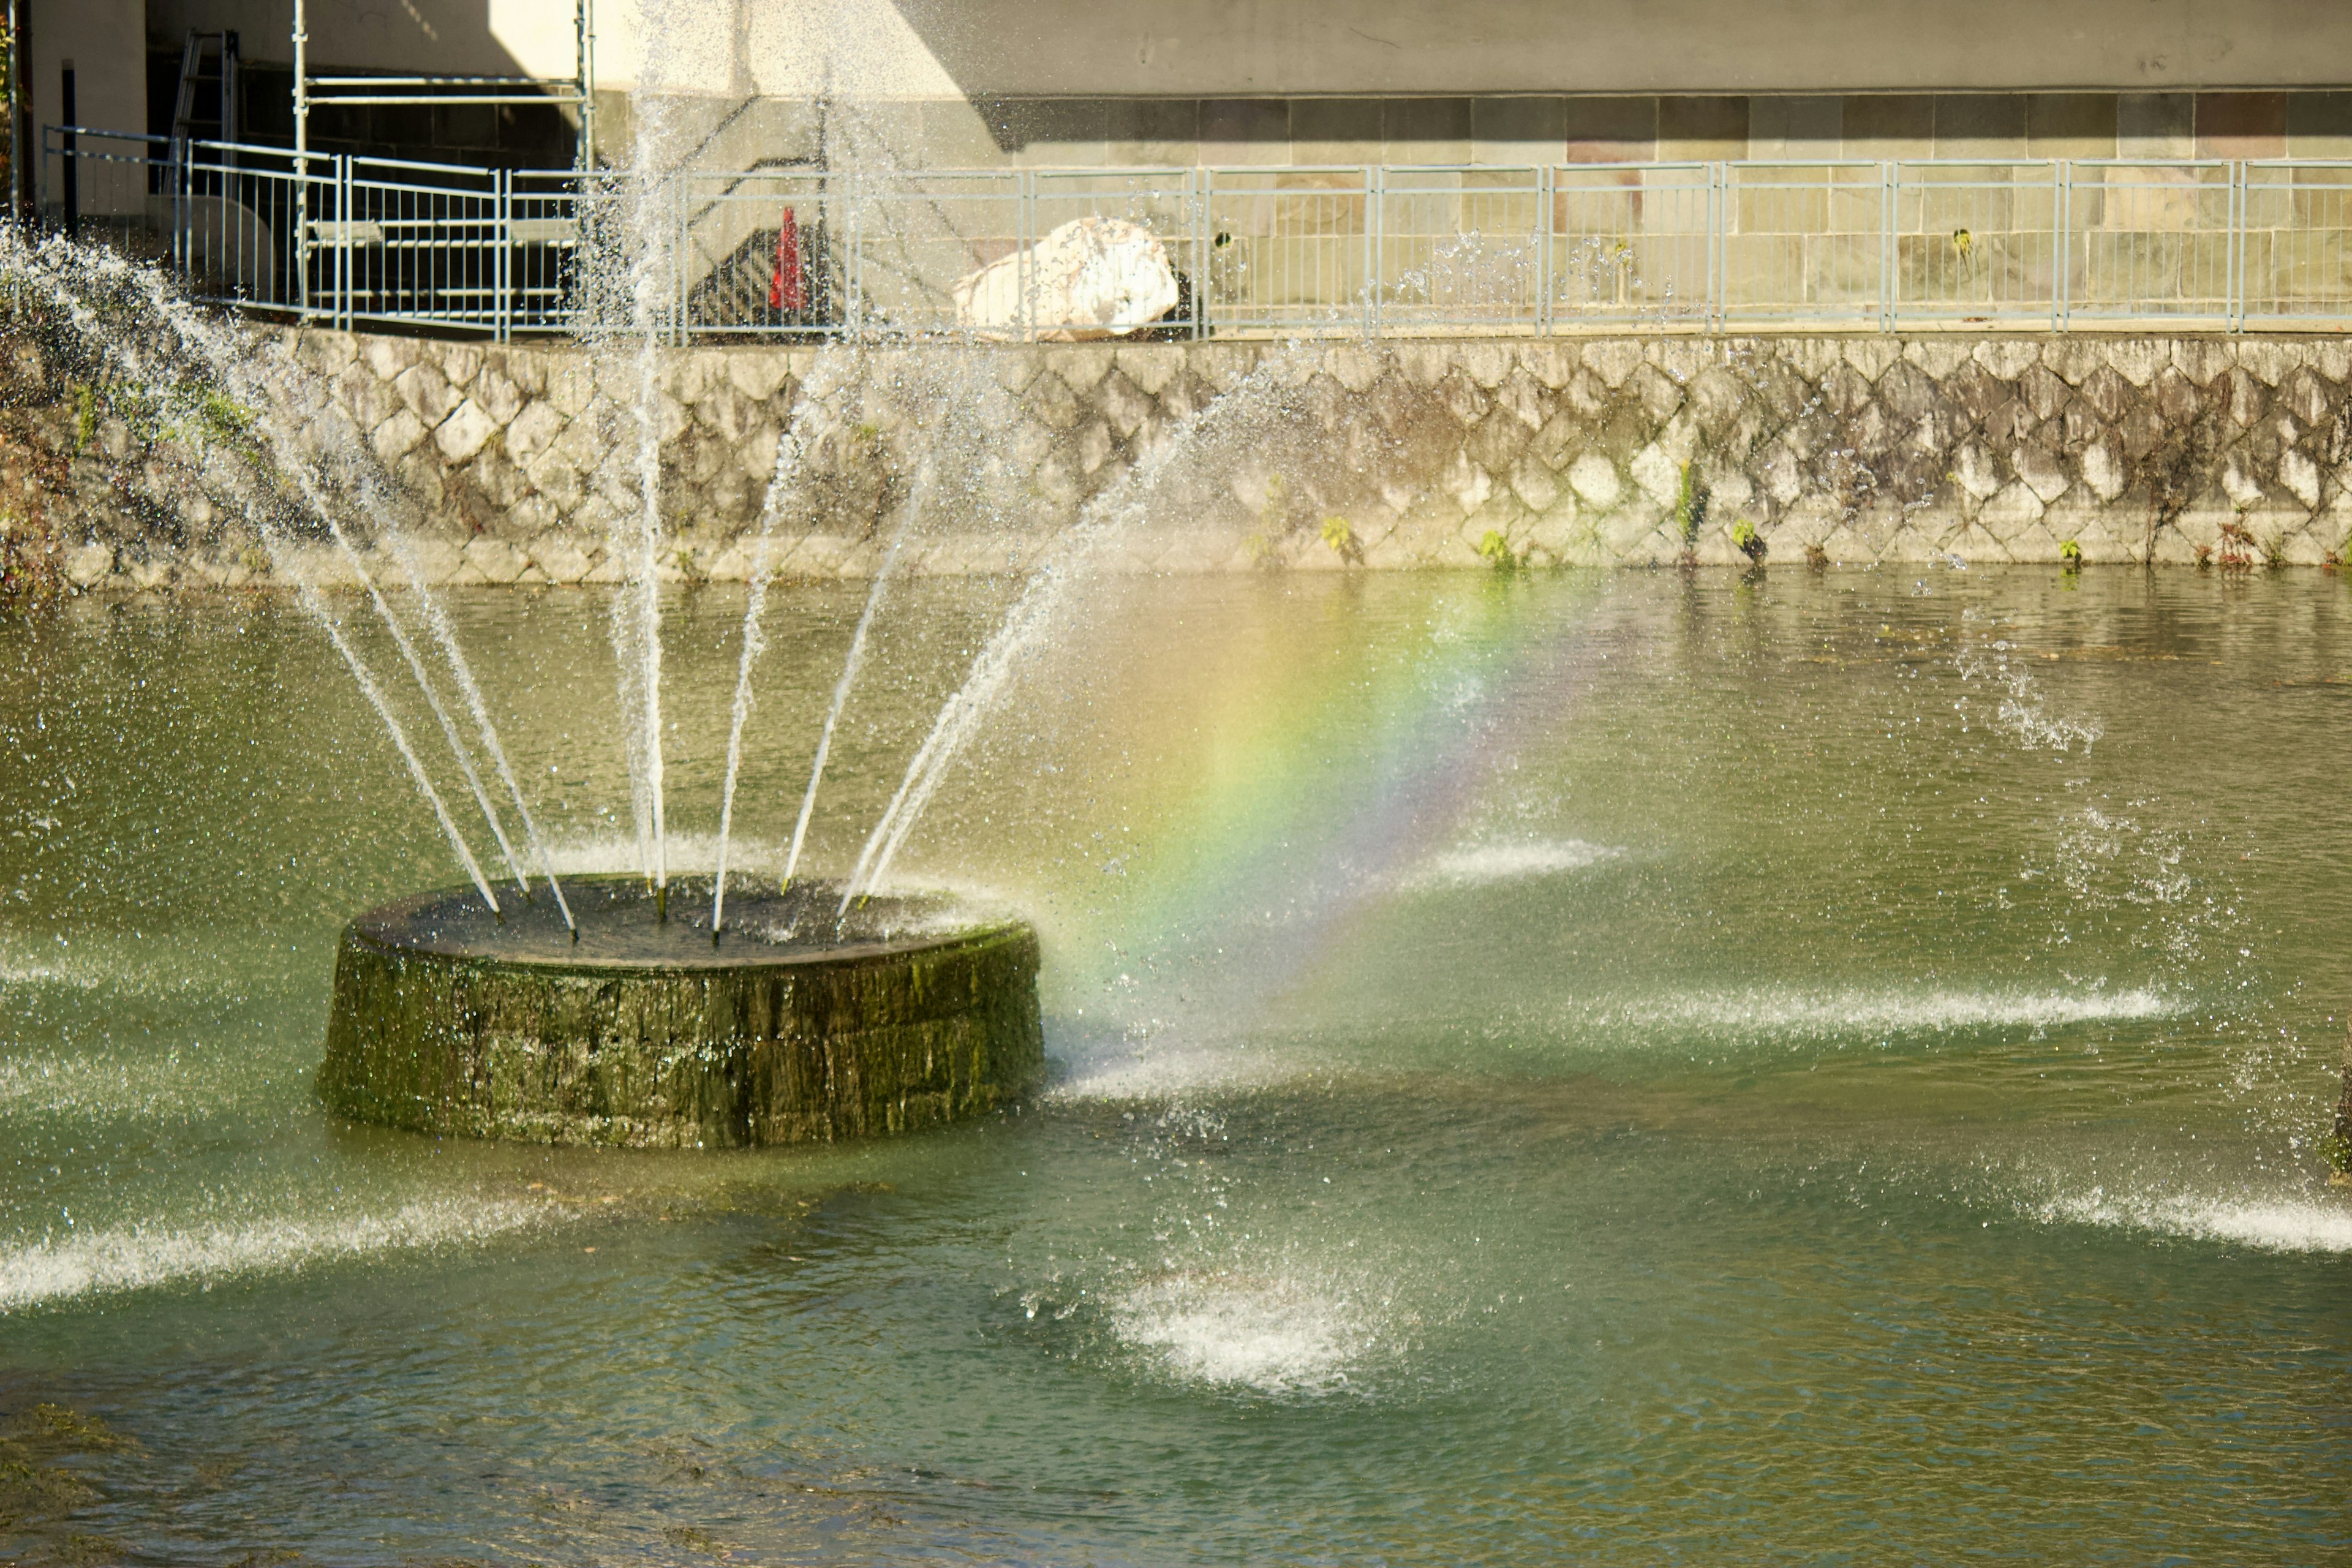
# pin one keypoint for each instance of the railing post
(177, 171)
(1024, 238)
(2237, 246)
(502, 236)
(1544, 208)
(1372, 187)
(1718, 242)
(856, 261)
(346, 210)
(2062, 258)
(1889, 182)
(1203, 248)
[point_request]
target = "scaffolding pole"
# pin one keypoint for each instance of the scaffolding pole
(577, 91)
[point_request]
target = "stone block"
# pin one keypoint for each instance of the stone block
(2304, 395)
(2008, 358)
(2267, 360)
(2239, 483)
(496, 394)
(571, 387)
(2103, 467)
(2202, 360)
(2041, 472)
(433, 559)
(1524, 398)
(464, 432)
(1659, 393)
(397, 437)
(526, 367)
(1533, 483)
(1658, 474)
(533, 430)
(461, 362)
(1050, 400)
(1548, 362)
(2139, 360)
(1585, 394)
(1485, 362)
(387, 357)
(1081, 366)
(497, 561)
(1872, 356)
(1466, 484)
(2042, 391)
(1150, 367)
(1613, 360)
(2299, 475)
(1124, 405)
(2247, 396)
(2011, 511)
(757, 373)
(1937, 355)
(1596, 480)
(1974, 470)
(426, 392)
(90, 564)
(1462, 398)
(367, 400)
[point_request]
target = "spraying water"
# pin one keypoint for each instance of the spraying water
(1030, 623)
(70, 277)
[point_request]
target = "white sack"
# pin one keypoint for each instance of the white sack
(1092, 277)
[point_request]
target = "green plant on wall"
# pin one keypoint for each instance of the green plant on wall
(1496, 550)
(86, 400)
(1342, 537)
(1690, 505)
(1747, 541)
(2070, 555)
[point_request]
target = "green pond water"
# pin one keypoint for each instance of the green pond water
(1603, 1070)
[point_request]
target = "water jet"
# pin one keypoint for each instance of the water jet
(787, 1024)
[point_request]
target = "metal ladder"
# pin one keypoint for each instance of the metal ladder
(220, 50)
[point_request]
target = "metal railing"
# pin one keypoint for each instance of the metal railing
(1909, 245)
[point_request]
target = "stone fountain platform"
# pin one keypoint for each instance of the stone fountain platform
(787, 1028)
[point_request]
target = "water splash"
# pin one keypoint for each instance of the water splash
(1484, 865)
(2275, 1223)
(2023, 712)
(1283, 1330)
(1046, 599)
(131, 1257)
(155, 339)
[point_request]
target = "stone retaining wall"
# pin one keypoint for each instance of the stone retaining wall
(1588, 451)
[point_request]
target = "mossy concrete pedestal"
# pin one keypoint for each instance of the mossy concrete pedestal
(2338, 1144)
(789, 1027)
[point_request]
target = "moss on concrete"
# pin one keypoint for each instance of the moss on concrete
(804, 1048)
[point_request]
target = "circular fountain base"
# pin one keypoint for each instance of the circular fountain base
(647, 1032)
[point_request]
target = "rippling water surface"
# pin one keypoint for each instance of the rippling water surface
(1561, 1070)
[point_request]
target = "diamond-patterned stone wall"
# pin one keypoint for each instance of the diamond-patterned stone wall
(1597, 450)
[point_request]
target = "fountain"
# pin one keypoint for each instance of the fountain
(783, 1025)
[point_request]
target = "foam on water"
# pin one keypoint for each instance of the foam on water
(1278, 1332)
(1159, 1062)
(2280, 1224)
(137, 1257)
(51, 1085)
(102, 966)
(1485, 864)
(1155, 1068)
(1776, 1011)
